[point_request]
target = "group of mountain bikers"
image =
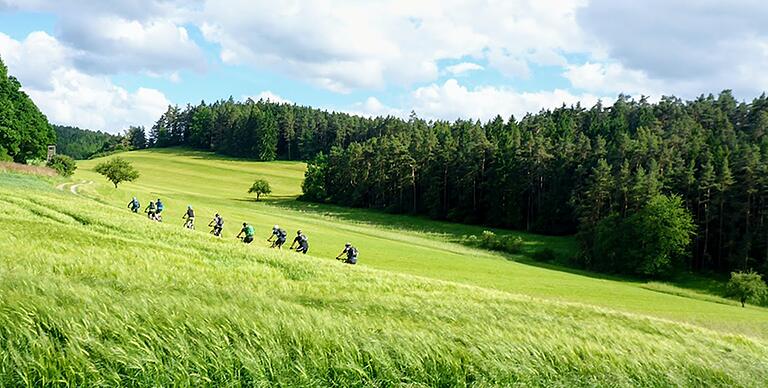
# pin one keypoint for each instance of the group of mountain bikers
(278, 237)
(154, 210)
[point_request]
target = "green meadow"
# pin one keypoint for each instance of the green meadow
(91, 294)
(409, 245)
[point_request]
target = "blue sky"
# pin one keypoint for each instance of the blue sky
(110, 64)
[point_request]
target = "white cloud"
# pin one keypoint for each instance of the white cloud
(509, 64)
(110, 37)
(267, 95)
(95, 103)
(110, 44)
(691, 46)
(612, 78)
(341, 45)
(372, 107)
(451, 100)
(463, 67)
(35, 58)
(68, 96)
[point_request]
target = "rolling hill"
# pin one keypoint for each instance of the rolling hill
(94, 295)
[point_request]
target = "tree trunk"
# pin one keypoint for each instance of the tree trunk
(445, 190)
(705, 254)
(720, 237)
(747, 235)
(413, 185)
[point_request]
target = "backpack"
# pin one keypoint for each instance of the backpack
(281, 234)
(160, 206)
(303, 239)
(219, 222)
(352, 252)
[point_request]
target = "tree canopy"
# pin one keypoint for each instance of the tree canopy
(24, 131)
(260, 187)
(747, 286)
(83, 143)
(117, 170)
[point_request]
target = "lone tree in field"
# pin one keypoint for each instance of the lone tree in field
(117, 170)
(747, 286)
(260, 187)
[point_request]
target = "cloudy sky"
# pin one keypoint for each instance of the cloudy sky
(110, 64)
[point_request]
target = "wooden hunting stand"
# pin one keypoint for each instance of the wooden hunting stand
(51, 151)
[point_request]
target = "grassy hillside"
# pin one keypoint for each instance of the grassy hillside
(91, 295)
(395, 243)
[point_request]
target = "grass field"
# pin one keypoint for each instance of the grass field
(402, 244)
(93, 296)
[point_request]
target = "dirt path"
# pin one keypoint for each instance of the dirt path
(73, 188)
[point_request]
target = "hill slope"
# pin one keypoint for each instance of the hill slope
(94, 296)
(396, 243)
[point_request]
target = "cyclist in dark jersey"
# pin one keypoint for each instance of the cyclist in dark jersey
(190, 218)
(134, 205)
(280, 236)
(351, 253)
(218, 225)
(150, 210)
(302, 241)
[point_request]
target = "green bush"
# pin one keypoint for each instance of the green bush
(4, 157)
(651, 242)
(63, 164)
(747, 287)
(492, 241)
(313, 187)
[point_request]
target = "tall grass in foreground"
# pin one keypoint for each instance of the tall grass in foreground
(90, 296)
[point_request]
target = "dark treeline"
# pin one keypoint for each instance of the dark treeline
(81, 143)
(560, 171)
(264, 130)
(85, 143)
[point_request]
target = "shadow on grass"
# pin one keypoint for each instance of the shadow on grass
(272, 199)
(565, 248)
(209, 155)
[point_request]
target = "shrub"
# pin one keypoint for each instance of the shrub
(63, 164)
(4, 157)
(747, 287)
(492, 241)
